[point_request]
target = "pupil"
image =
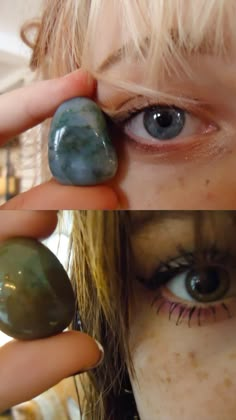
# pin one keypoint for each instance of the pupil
(163, 119)
(164, 123)
(207, 285)
(206, 282)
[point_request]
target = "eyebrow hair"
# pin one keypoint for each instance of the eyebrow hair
(116, 57)
(205, 47)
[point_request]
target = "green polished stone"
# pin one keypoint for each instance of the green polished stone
(80, 151)
(36, 296)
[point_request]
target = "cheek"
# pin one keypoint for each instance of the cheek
(183, 373)
(148, 185)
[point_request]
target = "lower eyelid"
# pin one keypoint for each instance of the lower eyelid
(184, 145)
(181, 313)
(204, 129)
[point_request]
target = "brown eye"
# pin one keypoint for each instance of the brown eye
(208, 284)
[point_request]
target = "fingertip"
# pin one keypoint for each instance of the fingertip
(27, 223)
(112, 201)
(82, 79)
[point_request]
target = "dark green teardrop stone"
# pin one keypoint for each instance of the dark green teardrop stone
(36, 296)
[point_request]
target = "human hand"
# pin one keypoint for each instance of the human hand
(28, 368)
(29, 106)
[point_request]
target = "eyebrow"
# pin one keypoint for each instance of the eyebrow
(116, 57)
(204, 48)
(141, 218)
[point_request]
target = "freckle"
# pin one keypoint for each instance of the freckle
(192, 356)
(210, 195)
(177, 355)
(168, 380)
(181, 181)
(228, 382)
(202, 375)
(232, 356)
(207, 182)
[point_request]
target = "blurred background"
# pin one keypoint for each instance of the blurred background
(20, 163)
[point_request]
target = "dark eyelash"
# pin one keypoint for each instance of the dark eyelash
(187, 260)
(185, 311)
(123, 117)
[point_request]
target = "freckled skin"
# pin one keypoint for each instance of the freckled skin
(179, 371)
(182, 373)
(161, 188)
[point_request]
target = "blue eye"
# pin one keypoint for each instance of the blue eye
(160, 126)
(164, 123)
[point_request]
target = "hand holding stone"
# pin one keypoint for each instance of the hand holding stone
(28, 368)
(24, 108)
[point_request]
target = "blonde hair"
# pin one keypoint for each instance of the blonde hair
(102, 278)
(162, 35)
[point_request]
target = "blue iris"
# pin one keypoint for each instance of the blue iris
(163, 122)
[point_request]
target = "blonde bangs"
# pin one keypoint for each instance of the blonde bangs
(160, 35)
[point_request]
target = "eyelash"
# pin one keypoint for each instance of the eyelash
(185, 311)
(211, 256)
(131, 113)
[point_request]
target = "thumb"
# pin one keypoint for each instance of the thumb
(28, 368)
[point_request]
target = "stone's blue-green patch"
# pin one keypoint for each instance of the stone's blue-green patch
(36, 296)
(80, 150)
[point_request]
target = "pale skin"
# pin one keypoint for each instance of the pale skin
(182, 372)
(192, 171)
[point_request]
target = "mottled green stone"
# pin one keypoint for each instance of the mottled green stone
(80, 150)
(36, 296)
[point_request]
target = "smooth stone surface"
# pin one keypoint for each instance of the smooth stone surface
(80, 151)
(36, 296)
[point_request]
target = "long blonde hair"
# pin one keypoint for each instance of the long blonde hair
(102, 278)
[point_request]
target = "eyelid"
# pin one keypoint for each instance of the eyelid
(185, 260)
(135, 105)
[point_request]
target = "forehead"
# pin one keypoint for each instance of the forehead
(207, 224)
(157, 235)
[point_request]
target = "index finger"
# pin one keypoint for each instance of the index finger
(26, 107)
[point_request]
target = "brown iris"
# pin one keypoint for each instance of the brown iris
(208, 284)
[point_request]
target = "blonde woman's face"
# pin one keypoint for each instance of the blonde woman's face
(183, 320)
(170, 157)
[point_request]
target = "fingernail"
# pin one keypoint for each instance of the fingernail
(102, 354)
(97, 364)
